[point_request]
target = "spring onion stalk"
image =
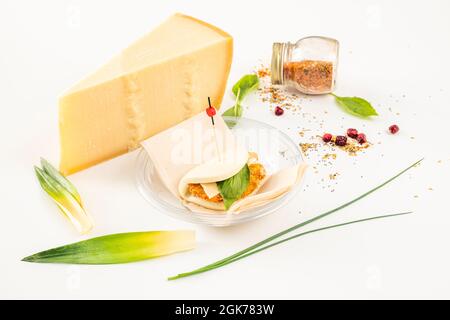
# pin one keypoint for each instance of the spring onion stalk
(273, 244)
(118, 248)
(258, 245)
(65, 195)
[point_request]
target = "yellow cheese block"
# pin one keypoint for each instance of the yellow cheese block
(157, 82)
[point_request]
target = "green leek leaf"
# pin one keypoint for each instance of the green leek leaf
(58, 177)
(67, 200)
(118, 248)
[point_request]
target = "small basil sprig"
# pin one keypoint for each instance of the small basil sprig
(245, 85)
(232, 188)
(356, 106)
(241, 89)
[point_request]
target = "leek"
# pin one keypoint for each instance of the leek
(58, 177)
(118, 248)
(65, 195)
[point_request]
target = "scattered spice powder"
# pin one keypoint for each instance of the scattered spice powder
(353, 148)
(302, 133)
(308, 146)
(277, 96)
(313, 76)
(329, 156)
(263, 72)
(333, 176)
(322, 155)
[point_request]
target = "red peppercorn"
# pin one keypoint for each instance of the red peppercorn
(211, 111)
(327, 137)
(341, 141)
(279, 111)
(361, 138)
(352, 133)
(394, 129)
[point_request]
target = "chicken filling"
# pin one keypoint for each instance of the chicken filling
(257, 174)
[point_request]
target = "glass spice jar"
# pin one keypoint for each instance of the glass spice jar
(309, 65)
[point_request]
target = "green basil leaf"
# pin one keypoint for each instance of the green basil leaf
(247, 84)
(228, 202)
(234, 111)
(232, 188)
(241, 89)
(357, 106)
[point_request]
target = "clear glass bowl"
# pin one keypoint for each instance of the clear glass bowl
(275, 150)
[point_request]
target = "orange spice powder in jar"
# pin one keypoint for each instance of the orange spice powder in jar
(309, 65)
(312, 76)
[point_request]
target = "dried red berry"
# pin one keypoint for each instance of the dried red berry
(327, 137)
(394, 129)
(341, 141)
(279, 111)
(361, 138)
(352, 133)
(211, 112)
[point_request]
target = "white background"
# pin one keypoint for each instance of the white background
(393, 53)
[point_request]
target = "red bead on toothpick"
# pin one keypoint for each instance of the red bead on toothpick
(211, 111)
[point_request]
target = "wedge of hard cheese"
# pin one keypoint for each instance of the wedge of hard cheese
(157, 82)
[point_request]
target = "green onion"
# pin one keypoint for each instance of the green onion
(118, 248)
(254, 248)
(224, 263)
(65, 195)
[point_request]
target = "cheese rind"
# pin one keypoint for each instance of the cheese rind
(156, 83)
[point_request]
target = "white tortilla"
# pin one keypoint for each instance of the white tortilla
(162, 148)
(273, 188)
(213, 172)
(194, 139)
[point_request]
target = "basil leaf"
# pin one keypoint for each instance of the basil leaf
(241, 89)
(232, 188)
(228, 202)
(357, 106)
(234, 111)
(247, 84)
